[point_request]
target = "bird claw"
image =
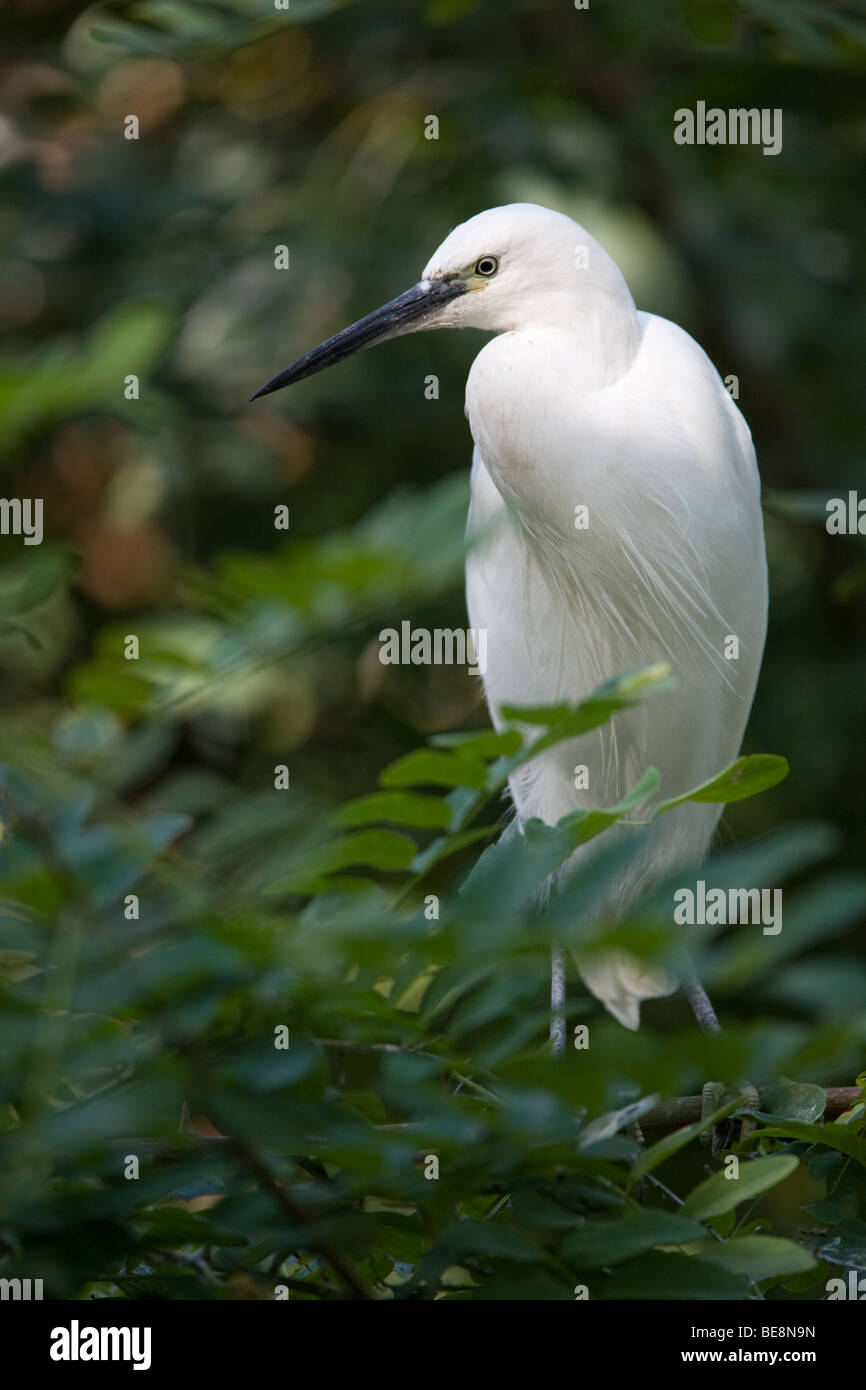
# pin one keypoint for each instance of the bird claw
(731, 1130)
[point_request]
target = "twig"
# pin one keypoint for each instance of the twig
(686, 1110)
(671, 1114)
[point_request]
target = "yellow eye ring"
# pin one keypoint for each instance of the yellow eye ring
(487, 266)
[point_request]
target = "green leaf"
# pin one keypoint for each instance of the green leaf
(486, 744)
(173, 1226)
(33, 577)
(537, 1209)
(672, 1276)
(832, 1211)
(54, 386)
(607, 1125)
(377, 849)
(609, 1241)
(398, 808)
(759, 1257)
(320, 885)
(569, 721)
(103, 683)
(527, 855)
(794, 1100)
(845, 1245)
(834, 1136)
(672, 1143)
(583, 826)
(435, 767)
(82, 734)
(744, 778)
(443, 846)
(466, 1238)
(720, 1194)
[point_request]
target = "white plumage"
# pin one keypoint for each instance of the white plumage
(581, 400)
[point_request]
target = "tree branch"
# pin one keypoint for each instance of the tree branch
(686, 1110)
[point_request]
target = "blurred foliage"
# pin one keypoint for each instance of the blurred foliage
(410, 1035)
(375, 1110)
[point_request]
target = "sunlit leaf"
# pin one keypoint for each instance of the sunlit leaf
(721, 1193)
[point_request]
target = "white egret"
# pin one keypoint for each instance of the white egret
(582, 401)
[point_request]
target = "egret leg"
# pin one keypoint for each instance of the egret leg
(557, 1001)
(715, 1093)
(701, 1006)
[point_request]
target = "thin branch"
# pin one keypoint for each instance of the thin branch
(668, 1114)
(686, 1110)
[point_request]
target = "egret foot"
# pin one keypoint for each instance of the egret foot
(635, 1132)
(729, 1131)
(715, 1094)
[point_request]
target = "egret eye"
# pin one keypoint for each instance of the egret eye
(487, 266)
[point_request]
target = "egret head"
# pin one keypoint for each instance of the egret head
(513, 267)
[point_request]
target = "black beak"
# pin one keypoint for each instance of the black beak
(386, 322)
